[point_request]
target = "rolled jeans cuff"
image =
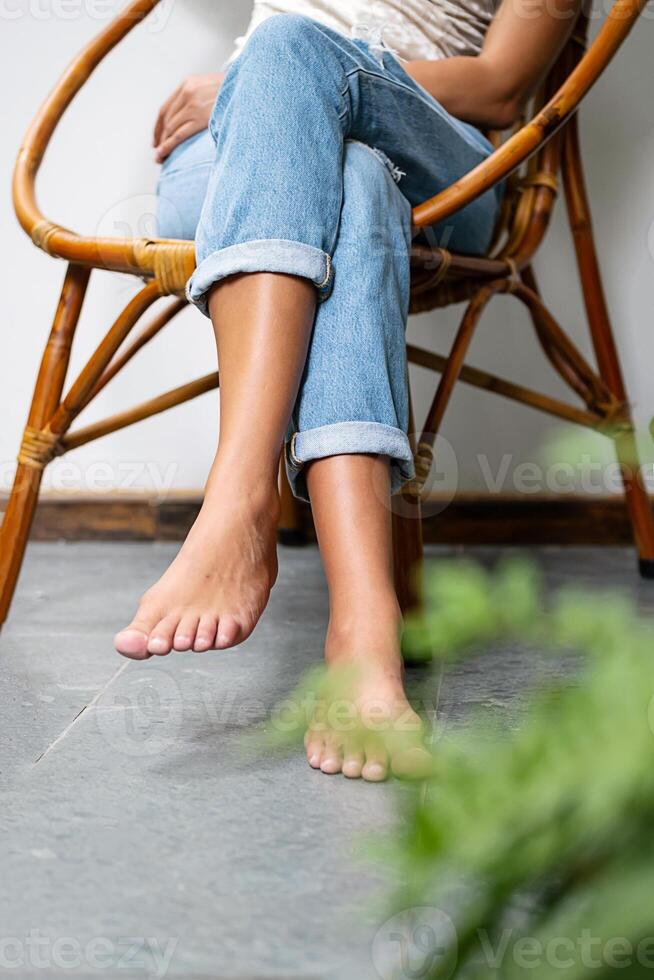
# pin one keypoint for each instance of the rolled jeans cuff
(261, 255)
(346, 438)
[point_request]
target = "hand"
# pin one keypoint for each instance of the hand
(185, 113)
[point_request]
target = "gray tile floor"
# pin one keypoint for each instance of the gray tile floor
(142, 834)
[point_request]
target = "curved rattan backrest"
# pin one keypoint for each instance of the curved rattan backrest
(531, 190)
(171, 261)
(544, 126)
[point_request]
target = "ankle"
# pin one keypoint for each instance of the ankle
(372, 632)
(365, 610)
(256, 493)
(240, 464)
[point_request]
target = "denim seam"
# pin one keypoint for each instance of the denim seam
(387, 440)
(328, 275)
(321, 286)
(427, 100)
(291, 452)
(380, 428)
(346, 111)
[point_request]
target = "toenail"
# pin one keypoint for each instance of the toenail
(157, 643)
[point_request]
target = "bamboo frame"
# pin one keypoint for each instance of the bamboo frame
(531, 160)
(146, 409)
(145, 336)
(508, 389)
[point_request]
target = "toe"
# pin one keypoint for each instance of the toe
(229, 632)
(185, 633)
(132, 643)
(161, 637)
(375, 768)
(205, 638)
(133, 640)
(415, 762)
(332, 757)
(353, 760)
(314, 750)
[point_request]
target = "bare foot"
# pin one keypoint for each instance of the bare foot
(368, 729)
(215, 590)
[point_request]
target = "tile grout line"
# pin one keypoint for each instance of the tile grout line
(432, 734)
(439, 689)
(79, 714)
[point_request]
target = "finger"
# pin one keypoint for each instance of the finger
(158, 126)
(168, 145)
(175, 119)
(172, 105)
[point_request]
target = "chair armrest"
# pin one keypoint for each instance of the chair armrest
(130, 254)
(543, 126)
(47, 235)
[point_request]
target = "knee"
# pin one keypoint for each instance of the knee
(282, 35)
(289, 64)
(371, 190)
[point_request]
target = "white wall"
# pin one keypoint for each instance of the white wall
(99, 175)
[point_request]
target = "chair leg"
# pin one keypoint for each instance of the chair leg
(637, 498)
(22, 502)
(15, 530)
(407, 551)
(289, 527)
(407, 537)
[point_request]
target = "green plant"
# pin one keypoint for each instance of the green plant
(536, 846)
(544, 837)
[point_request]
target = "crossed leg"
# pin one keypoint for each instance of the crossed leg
(273, 365)
(218, 585)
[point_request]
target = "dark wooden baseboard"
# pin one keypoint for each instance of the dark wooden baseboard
(468, 519)
(506, 519)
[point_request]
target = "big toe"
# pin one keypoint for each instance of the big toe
(132, 642)
(414, 762)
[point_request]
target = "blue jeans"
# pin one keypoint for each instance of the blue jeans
(317, 148)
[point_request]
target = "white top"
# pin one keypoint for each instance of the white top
(412, 29)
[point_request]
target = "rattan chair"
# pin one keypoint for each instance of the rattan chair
(533, 159)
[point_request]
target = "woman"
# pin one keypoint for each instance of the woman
(334, 118)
